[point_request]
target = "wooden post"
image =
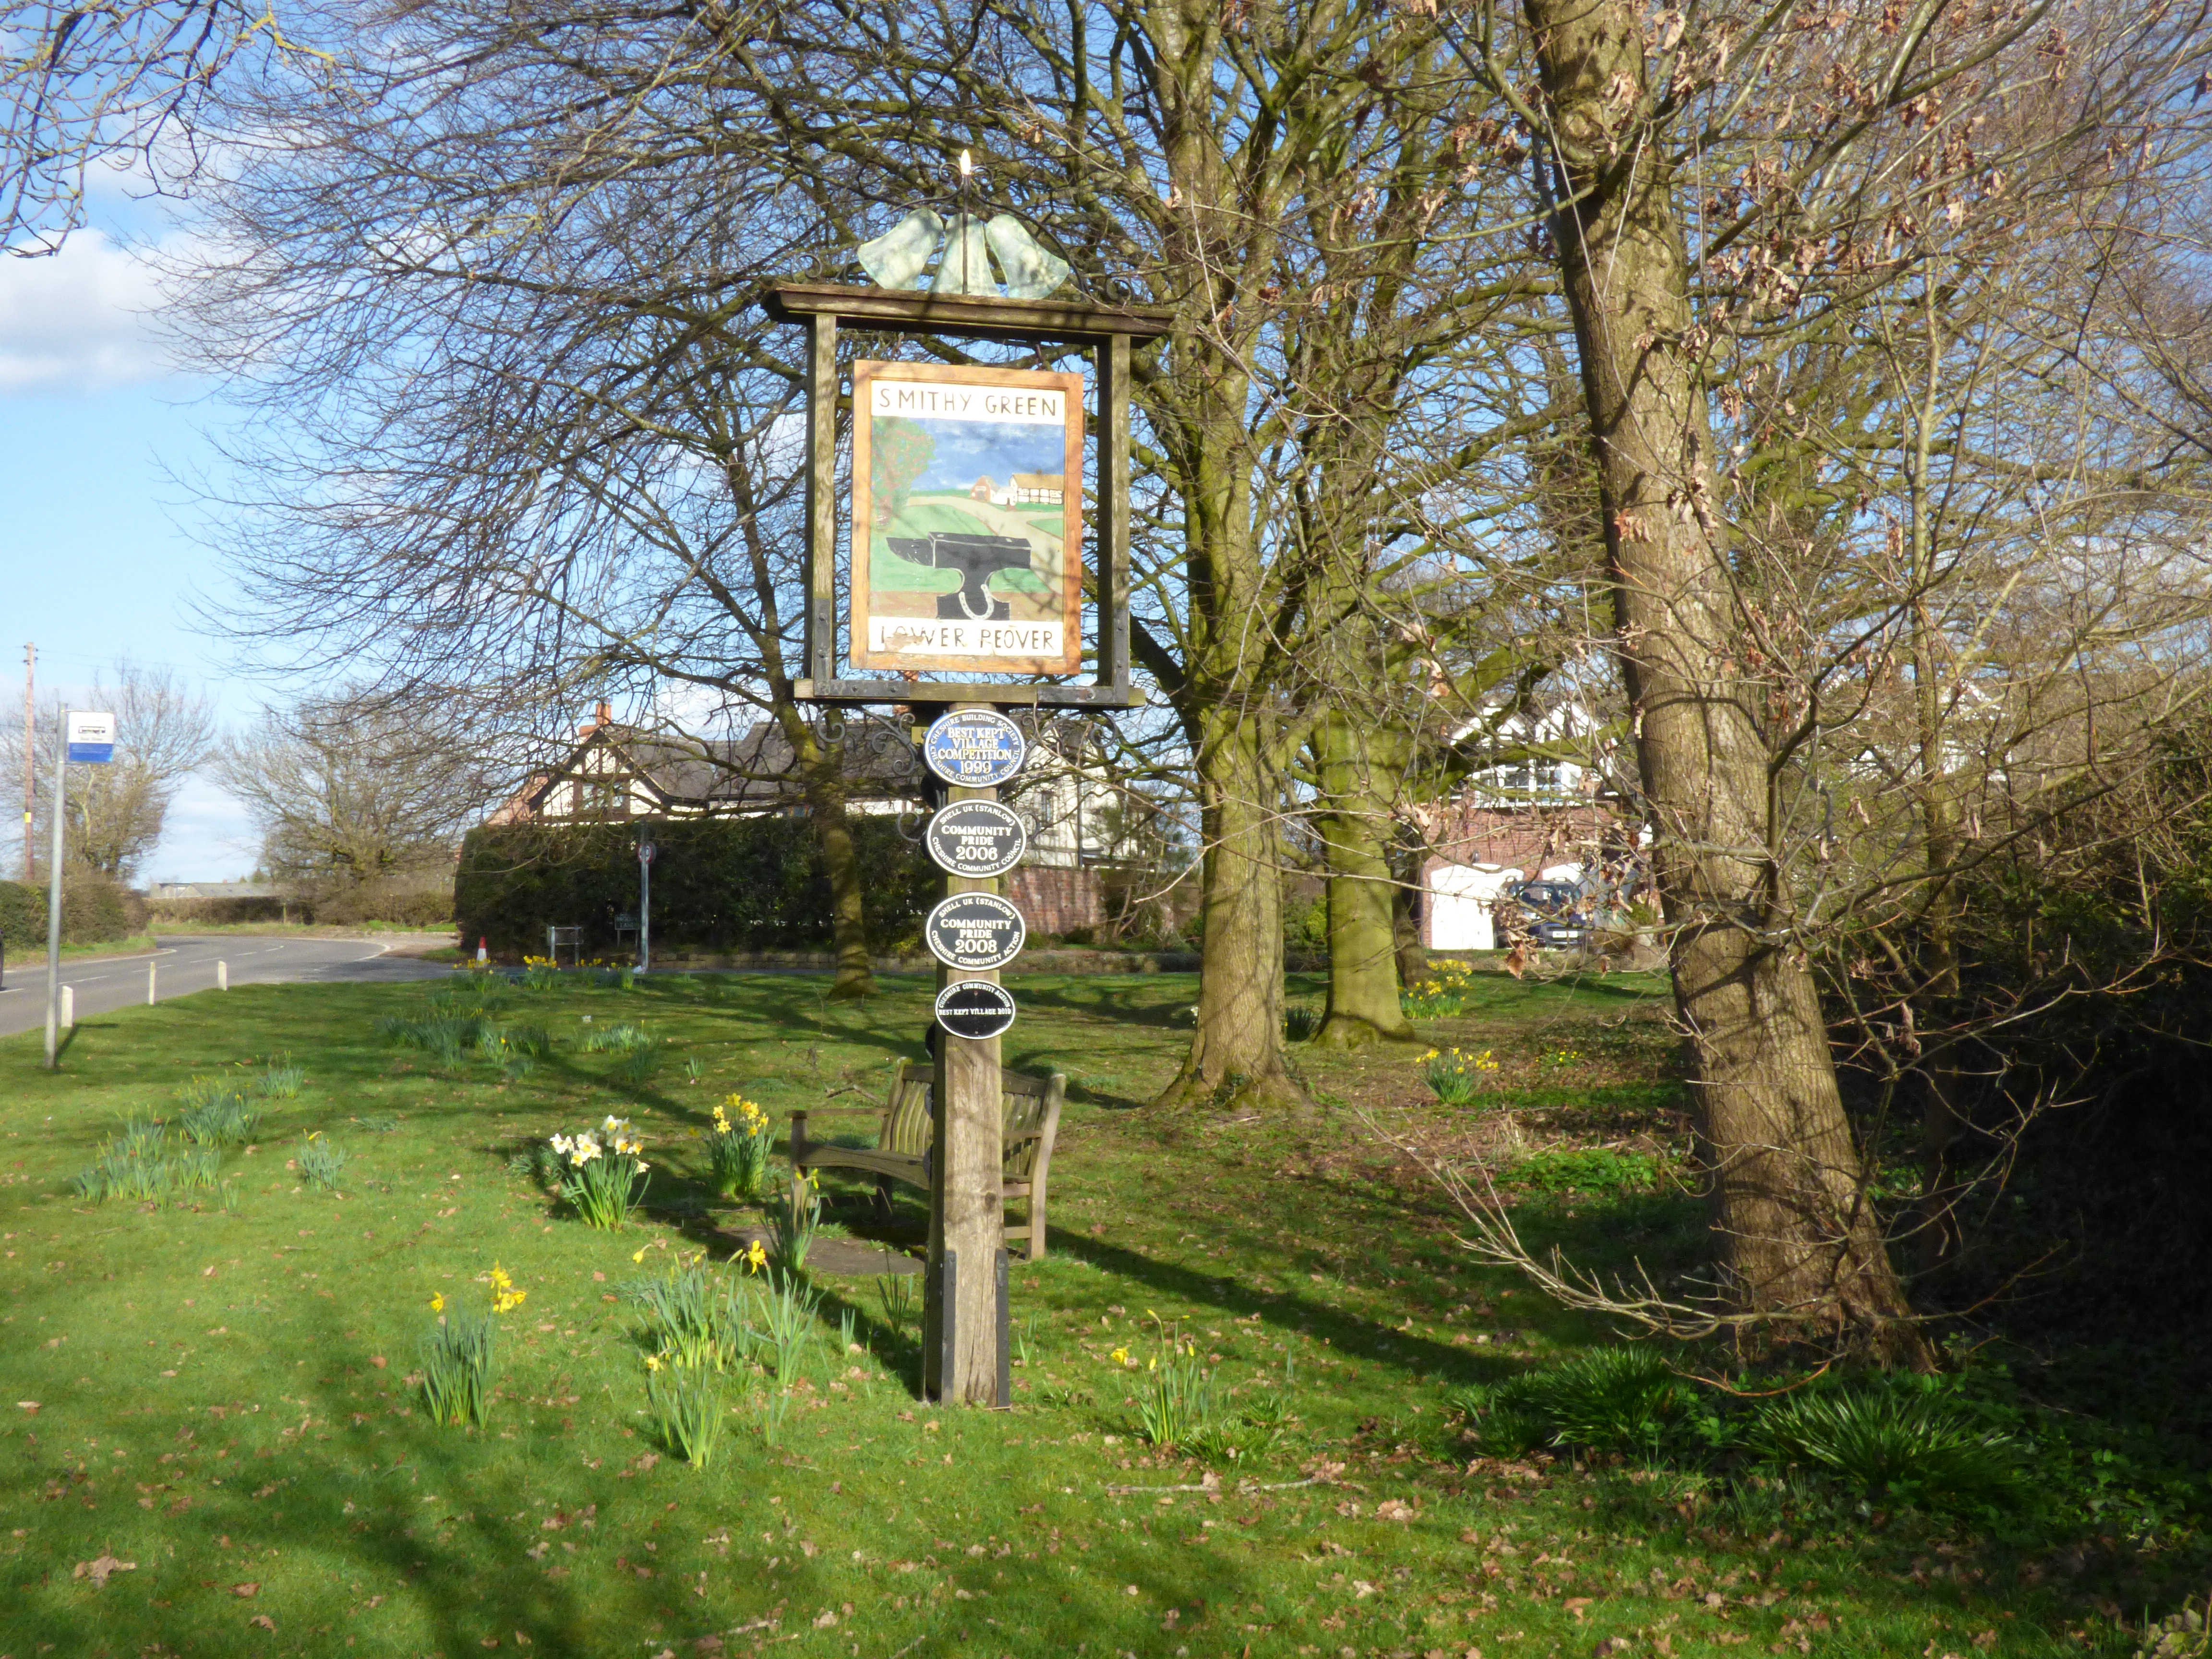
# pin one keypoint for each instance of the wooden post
(821, 499)
(966, 1214)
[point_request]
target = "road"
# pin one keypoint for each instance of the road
(183, 965)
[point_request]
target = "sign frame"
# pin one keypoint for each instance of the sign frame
(1107, 334)
(1021, 935)
(878, 382)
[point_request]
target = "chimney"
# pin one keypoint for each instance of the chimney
(604, 715)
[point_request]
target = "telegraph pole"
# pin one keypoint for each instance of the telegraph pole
(30, 764)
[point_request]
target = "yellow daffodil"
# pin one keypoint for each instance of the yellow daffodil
(438, 1304)
(637, 1254)
(756, 1258)
(652, 1362)
(1121, 1356)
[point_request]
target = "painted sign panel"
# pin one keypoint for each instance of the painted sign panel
(975, 747)
(975, 838)
(974, 931)
(967, 531)
(91, 737)
(975, 1008)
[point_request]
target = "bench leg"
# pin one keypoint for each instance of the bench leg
(1036, 1219)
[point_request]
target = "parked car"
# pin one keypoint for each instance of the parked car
(1556, 916)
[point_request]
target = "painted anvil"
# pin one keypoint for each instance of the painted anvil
(977, 558)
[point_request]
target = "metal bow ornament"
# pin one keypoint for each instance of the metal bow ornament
(898, 256)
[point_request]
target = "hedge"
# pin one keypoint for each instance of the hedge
(94, 909)
(718, 884)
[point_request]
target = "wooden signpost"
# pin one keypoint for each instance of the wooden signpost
(966, 540)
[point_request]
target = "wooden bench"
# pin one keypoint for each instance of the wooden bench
(1030, 1123)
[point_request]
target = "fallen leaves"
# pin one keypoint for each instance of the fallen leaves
(1394, 1508)
(264, 1621)
(98, 1570)
(247, 1590)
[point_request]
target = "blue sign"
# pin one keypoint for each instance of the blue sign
(90, 736)
(975, 748)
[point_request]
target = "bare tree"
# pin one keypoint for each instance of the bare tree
(1728, 192)
(115, 813)
(350, 789)
(118, 83)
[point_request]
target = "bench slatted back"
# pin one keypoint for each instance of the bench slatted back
(906, 1125)
(1023, 1105)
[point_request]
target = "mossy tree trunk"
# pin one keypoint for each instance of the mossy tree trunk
(1355, 828)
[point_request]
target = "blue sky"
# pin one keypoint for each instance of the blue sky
(968, 450)
(95, 544)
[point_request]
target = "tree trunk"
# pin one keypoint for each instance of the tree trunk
(841, 861)
(1362, 945)
(1236, 1052)
(1798, 1240)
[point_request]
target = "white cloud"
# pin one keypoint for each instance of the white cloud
(206, 836)
(79, 319)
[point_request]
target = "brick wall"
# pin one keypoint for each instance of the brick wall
(1052, 901)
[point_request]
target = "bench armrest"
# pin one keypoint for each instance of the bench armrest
(834, 1111)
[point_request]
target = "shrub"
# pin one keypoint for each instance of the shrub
(793, 1221)
(217, 1117)
(1441, 996)
(691, 1317)
(737, 1148)
(622, 1038)
(95, 909)
(686, 1403)
(1894, 1443)
(1625, 1401)
(136, 1163)
(456, 1370)
(320, 1160)
(754, 884)
(1300, 1022)
(1179, 1401)
(1455, 1077)
(280, 1079)
(605, 1178)
(1584, 1169)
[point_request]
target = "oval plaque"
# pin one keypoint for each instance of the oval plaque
(975, 747)
(977, 931)
(975, 1008)
(975, 838)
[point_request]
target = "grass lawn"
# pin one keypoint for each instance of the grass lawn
(32, 953)
(209, 1443)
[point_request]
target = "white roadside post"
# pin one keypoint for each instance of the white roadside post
(149, 985)
(222, 976)
(87, 737)
(69, 1007)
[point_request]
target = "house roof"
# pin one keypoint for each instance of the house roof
(757, 772)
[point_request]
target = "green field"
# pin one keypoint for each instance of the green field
(211, 1441)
